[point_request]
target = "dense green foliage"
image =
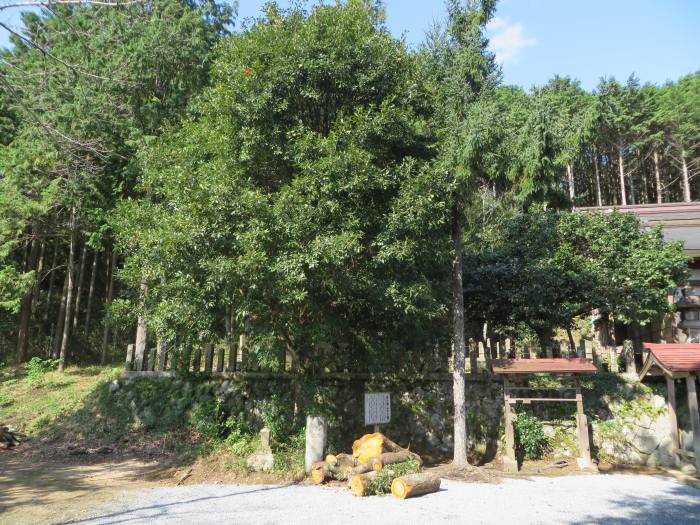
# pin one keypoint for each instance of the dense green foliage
(530, 439)
(308, 179)
(542, 270)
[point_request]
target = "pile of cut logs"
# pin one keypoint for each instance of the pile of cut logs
(370, 455)
(9, 437)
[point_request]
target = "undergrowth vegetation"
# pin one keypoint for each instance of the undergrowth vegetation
(91, 407)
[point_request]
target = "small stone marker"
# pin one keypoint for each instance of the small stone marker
(316, 436)
(262, 459)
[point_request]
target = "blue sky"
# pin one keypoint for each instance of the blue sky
(586, 39)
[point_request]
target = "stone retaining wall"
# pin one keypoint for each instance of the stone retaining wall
(628, 420)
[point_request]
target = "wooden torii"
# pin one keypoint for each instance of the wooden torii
(677, 361)
(516, 370)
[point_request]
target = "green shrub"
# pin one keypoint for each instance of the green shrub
(382, 483)
(530, 438)
(37, 367)
(277, 414)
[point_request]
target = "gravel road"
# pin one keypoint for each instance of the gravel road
(607, 499)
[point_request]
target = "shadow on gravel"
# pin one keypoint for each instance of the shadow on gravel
(678, 505)
(161, 509)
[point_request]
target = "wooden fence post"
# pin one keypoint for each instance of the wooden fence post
(129, 357)
(243, 347)
(232, 356)
(197, 361)
(614, 365)
(510, 462)
(220, 359)
(141, 358)
(584, 447)
(151, 360)
(208, 357)
(672, 418)
(630, 365)
(694, 417)
(162, 356)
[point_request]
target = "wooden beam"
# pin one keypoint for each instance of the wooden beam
(510, 462)
(557, 389)
(671, 408)
(694, 417)
(528, 400)
(584, 446)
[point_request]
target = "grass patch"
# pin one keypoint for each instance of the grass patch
(32, 403)
(174, 417)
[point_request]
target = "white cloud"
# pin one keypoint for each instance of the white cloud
(508, 40)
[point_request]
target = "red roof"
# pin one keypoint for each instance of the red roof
(575, 365)
(679, 357)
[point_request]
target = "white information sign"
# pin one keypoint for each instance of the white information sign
(377, 408)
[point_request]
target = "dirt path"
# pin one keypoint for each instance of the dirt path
(41, 491)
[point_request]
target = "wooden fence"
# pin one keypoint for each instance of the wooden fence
(228, 358)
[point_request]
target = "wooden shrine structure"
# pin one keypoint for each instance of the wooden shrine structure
(674, 362)
(515, 371)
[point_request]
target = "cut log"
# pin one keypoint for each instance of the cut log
(359, 483)
(321, 473)
(370, 446)
(414, 485)
(389, 458)
(331, 459)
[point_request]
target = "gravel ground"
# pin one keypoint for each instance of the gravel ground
(609, 499)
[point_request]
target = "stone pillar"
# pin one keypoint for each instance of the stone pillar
(316, 437)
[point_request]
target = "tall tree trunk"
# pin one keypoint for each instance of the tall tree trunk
(686, 179)
(51, 281)
(91, 291)
(570, 180)
(141, 334)
(79, 292)
(39, 276)
(26, 308)
(598, 194)
(70, 271)
(458, 344)
(645, 187)
(621, 166)
(57, 331)
(657, 177)
(108, 301)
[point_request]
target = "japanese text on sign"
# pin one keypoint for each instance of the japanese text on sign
(377, 408)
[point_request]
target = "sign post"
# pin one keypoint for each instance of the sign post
(377, 409)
